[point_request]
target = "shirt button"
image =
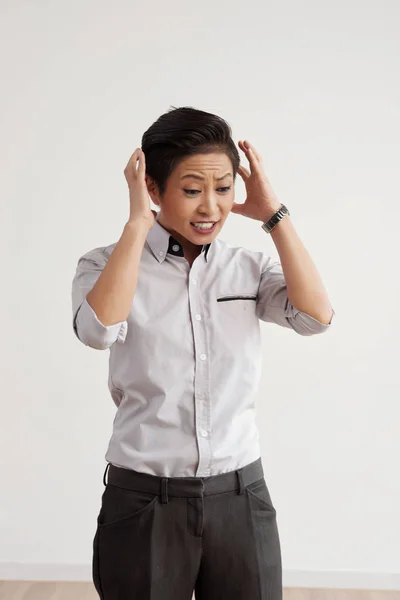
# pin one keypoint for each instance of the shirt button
(198, 317)
(161, 253)
(175, 248)
(194, 281)
(204, 433)
(203, 357)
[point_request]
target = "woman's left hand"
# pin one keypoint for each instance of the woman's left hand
(261, 202)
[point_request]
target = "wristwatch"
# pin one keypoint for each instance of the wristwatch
(278, 216)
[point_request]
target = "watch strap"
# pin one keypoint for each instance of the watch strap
(278, 216)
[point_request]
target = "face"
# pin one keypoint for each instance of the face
(199, 190)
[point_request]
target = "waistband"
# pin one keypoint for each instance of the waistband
(185, 486)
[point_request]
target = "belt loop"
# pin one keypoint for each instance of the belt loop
(241, 483)
(164, 490)
(105, 473)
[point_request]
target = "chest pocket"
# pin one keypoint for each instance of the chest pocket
(232, 298)
(237, 307)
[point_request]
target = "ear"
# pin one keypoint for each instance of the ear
(152, 190)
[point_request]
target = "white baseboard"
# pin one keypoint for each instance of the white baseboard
(345, 580)
(361, 580)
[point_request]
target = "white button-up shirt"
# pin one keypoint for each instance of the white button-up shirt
(185, 366)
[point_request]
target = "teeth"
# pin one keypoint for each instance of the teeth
(204, 225)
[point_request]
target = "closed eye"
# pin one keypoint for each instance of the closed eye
(195, 192)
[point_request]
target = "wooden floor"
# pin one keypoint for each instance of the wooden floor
(26, 590)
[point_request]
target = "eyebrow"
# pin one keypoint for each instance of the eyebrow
(194, 176)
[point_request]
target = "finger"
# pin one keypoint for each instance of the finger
(134, 156)
(254, 151)
(245, 173)
(242, 147)
(237, 208)
(253, 161)
(142, 164)
(131, 166)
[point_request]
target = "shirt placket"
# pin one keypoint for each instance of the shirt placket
(202, 402)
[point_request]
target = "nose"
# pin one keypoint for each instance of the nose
(209, 206)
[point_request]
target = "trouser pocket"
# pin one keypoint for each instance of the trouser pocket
(259, 491)
(95, 566)
(264, 523)
(121, 505)
(125, 553)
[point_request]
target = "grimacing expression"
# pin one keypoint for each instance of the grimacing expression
(199, 190)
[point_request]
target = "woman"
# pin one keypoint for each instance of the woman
(186, 506)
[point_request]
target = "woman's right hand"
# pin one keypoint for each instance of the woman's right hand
(139, 198)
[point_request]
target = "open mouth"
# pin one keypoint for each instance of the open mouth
(204, 228)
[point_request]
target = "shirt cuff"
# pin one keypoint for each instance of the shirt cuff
(92, 331)
(305, 324)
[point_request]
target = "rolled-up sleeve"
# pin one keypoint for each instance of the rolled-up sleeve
(273, 305)
(86, 325)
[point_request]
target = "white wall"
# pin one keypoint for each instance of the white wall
(315, 86)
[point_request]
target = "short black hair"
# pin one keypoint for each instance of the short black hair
(182, 132)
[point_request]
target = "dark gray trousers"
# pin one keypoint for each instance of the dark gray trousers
(162, 538)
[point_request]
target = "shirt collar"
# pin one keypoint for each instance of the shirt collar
(161, 243)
